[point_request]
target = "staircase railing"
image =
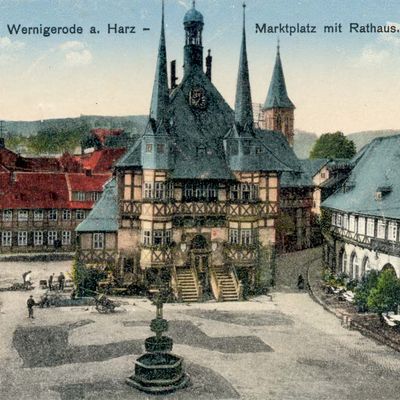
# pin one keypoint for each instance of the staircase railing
(215, 285)
(238, 284)
(199, 287)
(176, 289)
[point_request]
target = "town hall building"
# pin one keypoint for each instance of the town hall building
(194, 203)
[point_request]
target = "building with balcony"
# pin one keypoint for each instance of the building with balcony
(364, 213)
(195, 199)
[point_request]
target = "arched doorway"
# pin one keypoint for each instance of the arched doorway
(388, 267)
(199, 259)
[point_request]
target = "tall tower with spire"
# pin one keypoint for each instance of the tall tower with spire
(193, 23)
(278, 109)
(243, 103)
(155, 143)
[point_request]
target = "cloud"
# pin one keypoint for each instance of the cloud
(75, 58)
(373, 55)
(76, 53)
(72, 45)
(7, 44)
(391, 38)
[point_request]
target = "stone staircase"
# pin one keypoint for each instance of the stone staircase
(187, 285)
(227, 284)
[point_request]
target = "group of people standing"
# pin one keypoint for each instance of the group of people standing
(52, 285)
(60, 281)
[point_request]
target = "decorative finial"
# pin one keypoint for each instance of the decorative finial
(244, 14)
(194, 3)
(279, 45)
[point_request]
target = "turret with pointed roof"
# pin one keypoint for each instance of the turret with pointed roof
(278, 109)
(243, 103)
(160, 96)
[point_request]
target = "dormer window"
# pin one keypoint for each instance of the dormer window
(201, 151)
(161, 148)
(149, 148)
(382, 191)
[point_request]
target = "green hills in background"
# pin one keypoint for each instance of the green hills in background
(19, 134)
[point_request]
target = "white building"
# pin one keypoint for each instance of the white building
(365, 212)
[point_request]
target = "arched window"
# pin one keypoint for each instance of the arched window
(353, 271)
(365, 267)
(343, 265)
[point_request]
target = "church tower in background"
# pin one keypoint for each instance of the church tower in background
(278, 109)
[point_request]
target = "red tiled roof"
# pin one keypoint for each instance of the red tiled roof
(102, 160)
(8, 158)
(102, 133)
(35, 190)
(13, 161)
(83, 183)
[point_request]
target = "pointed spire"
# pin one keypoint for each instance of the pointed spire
(277, 96)
(160, 96)
(243, 103)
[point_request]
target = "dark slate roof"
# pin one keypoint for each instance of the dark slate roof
(133, 157)
(243, 103)
(277, 96)
(104, 215)
(194, 128)
(378, 166)
(193, 16)
(312, 167)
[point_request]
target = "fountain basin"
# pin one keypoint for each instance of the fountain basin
(162, 344)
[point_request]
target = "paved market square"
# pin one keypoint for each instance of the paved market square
(285, 348)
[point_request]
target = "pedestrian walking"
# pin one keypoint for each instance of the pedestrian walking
(300, 282)
(51, 278)
(30, 303)
(61, 281)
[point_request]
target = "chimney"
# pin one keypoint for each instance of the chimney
(2, 145)
(173, 75)
(209, 64)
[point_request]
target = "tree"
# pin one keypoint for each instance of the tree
(386, 295)
(333, 145)
(368, 282)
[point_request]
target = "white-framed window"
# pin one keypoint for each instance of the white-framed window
(80, 196)
(158, 237)
(200, 191)
(392, 231)
(371, 227)
(38, 215)
(80, 214)
(244, 191)
(352, 223)
(7, 215)
(246, 236)
(361, 226)
(94, 196)
(66, 238)
(22, 238)
(148, 190)
(98, 241)
(38, 238)
(23, 215)
(234, 236)
(381, 229)
(159, 190)
(6, 238)
(149, 148)
(146, 238)
(51, 237)
(66, 214)
(346, 222)
(333, 222)
(52, 215)
(339, 220)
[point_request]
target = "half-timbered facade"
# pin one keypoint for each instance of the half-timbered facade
(197, 196)
(364, 213)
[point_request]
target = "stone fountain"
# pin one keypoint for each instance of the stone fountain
(158, 370)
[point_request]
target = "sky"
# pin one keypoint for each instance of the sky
(344, 81)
